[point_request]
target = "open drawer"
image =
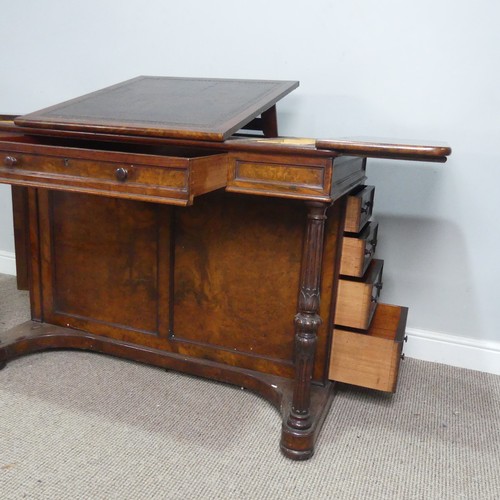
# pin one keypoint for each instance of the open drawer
(150, 173)
(358, 250)
(357, 298)
(370, 359)
(359, 208)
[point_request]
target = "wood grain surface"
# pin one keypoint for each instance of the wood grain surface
(370, 360)
(395, 149)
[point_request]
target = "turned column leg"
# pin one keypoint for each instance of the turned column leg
(297, 439)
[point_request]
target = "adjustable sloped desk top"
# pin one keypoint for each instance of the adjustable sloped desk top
(182, 108)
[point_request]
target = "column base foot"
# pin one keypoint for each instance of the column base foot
(298, 444)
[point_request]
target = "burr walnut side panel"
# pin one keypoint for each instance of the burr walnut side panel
(217, 281)
(237, 265)
(299, 177)
(236, 278)
(101, 269)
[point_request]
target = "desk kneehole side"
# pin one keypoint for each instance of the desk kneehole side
(370, 359)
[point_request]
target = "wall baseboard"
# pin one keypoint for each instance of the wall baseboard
(451, 350)
(7, 263)
(425, 345)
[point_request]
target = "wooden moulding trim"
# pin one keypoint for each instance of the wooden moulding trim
(33, 146)
(321, 148)
(125, 129)
(170, 200)
(32, 336)
(231, 144)
(343, 186)
(390, 150)
(34, 250)
(312, 178)
(276, 193)
(178, 184)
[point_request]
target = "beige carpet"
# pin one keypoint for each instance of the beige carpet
(77, 425)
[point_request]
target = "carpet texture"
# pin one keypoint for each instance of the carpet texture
(76, 425)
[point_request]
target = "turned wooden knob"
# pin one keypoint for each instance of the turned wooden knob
(121, 174)
(10, 161)
(366, 207)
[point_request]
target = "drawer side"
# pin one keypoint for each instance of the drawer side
(357, 298)
(370, 359)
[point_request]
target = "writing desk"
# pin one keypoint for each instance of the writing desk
(156, 231)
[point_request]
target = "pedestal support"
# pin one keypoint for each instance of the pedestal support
(298, 430)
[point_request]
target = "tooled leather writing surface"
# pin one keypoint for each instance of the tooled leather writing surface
(196, 108)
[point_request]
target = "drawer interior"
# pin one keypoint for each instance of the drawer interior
(157, 173)
(370, 359)
(119, 147)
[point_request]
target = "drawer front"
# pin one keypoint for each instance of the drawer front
(359, 209)
(357, 298)
(370, 359)
(358, 251)
(299, 177)
(175, 181)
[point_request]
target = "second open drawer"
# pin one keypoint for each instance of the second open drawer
(357, 297)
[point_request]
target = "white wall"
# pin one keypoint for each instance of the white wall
(426, 69)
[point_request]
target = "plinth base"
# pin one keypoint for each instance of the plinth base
(296, 444)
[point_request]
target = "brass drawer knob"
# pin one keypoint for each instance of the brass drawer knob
(10, 161)
(121, 174)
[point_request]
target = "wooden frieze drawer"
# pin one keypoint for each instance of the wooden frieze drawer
(357, 298)
(370, 359)
(358, 250)
(359, 209)
(288, 176)
(159, 175)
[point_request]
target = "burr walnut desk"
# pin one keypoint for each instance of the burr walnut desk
(165, 221)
